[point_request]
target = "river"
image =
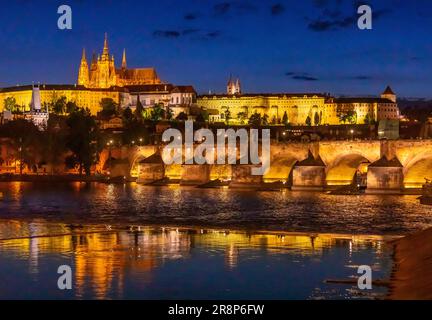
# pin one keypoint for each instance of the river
(137, 242)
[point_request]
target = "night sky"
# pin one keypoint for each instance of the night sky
(273, 46)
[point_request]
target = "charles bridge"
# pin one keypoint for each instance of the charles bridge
(387, 166)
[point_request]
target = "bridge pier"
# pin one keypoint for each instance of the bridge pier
(151, 169)
(385, 177)
(309, 174)
(195, 174)
(242, 177)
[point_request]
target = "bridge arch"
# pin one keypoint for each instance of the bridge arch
(418, 169)
(280, 169)
(344, 169)
(137, 154)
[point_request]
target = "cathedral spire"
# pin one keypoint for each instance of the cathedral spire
(83, 73)
(83, 58)
(105, 52)
(124, 64)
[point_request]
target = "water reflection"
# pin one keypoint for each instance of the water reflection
(284, 211)
(153, 263)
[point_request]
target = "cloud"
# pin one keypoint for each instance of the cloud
(238, 7)
(166, 34)
(331, 16)
(277, 9)
(196, 34)
(213, 34)
(320, 25)
(190, 31)
(221, 9)
(361, 77)
(190, 16)
(301, 76)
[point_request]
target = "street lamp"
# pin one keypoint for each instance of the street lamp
(352, 134)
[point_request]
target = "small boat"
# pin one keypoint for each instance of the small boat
(215, 184)
(426, 198)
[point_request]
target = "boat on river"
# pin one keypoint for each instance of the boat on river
(426, 198)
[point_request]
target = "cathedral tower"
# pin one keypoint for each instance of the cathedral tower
(83, 74)
(233, 87)
(104, 74)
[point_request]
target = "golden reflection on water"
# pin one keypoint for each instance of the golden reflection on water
(102, 258)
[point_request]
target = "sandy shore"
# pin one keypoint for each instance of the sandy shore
(412, 272)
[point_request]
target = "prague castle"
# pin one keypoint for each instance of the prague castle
(101, 79)
(104, 74)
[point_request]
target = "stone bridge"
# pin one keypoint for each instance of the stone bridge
(386, 166)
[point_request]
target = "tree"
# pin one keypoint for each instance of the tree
(59, 106)
(10, 104)
(26, 140)
(255, 119)
(308, 121)
(109, 107)
(139, 110)
(182, 116)
(265, 120)
(352, 117)
(54, 146)
(83, 140)
(169, 114)
(227, 115)
(127, 116)
(135, 130)
(369, 119)
(71, 107)
(285, 119)
(200, 118)
(242, 117)
(316, 119)
(157, 113)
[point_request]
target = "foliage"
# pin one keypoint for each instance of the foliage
(83, 140)
(285, 119)
(157, 113)
(25, 141)
(227, 114)
(255, 119)
(182, 116)
(11, 105)
(316, 119)
(242, 117)
(109, 107)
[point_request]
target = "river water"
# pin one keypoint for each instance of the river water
(137, 242)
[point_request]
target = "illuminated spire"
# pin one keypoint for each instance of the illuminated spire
(105, 52)
(83, 58)
(124, 64)
(83, 73)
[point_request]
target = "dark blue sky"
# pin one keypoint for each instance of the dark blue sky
(273, 46)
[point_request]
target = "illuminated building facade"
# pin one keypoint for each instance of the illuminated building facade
(104, 74)
(298, 108)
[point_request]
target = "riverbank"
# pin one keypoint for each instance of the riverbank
(412, 271)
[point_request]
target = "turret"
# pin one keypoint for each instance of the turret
(83, 73)
(389, 94)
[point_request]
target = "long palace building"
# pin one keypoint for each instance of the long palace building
(102, 79)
